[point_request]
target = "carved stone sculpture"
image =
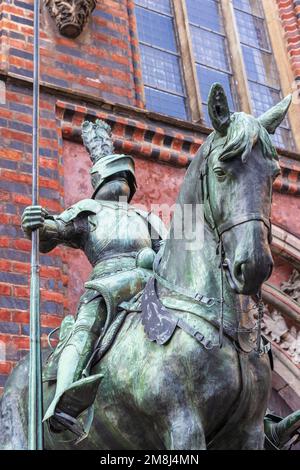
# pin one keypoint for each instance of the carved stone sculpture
(276, 330)
(292, 286)
(70, 15)
(275, 326)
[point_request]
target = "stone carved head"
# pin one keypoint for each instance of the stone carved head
(70, 15)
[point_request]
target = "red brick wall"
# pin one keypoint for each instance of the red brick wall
(15, 194)
(289, 11)
(98, 62)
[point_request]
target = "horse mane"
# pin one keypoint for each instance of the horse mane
(243, 133)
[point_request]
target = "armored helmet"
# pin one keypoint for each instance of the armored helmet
(97, 139)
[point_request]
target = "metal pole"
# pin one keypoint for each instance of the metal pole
(35, 404)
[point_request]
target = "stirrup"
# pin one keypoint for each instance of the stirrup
(66, 422)
(76, 399)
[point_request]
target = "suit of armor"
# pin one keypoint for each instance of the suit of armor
(118, 240)
(111, 234)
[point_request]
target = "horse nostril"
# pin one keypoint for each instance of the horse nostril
(238, 270)
(270, 269)
(246, 272)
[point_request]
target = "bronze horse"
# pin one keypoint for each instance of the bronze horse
(188, 394)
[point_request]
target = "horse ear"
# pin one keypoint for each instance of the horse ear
(274, 117)
(218, 109)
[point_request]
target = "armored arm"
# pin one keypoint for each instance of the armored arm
(54, 230)
(49, 235)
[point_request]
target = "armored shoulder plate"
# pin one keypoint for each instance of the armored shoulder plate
(90, 206)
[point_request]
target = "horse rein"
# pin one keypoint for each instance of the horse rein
(224, 262)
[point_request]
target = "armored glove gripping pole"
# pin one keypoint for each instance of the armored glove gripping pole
(35, 405)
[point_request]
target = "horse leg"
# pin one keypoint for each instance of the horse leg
(252, 438)
(185, 431)
(246, 436)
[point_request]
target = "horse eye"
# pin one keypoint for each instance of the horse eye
(219, 172)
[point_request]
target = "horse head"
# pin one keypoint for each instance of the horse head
(238, 169)
(70, 16)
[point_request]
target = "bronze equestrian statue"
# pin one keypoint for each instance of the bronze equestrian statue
(116, 239)
(181, 363)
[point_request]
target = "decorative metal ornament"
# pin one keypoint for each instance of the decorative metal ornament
(97, 139)
(70, 15)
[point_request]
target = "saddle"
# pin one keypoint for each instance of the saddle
(116, 290)
(160, 321)
(120, 292)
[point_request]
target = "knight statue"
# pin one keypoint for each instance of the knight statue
(120, 242)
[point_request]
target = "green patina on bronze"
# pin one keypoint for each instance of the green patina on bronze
(180, 395)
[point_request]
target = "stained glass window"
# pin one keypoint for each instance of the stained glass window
(260, 64)
(160, 69)
(163, 6)
(197, 29)
(205, 13)
(210, 49)
(250, 6)
(161, 64)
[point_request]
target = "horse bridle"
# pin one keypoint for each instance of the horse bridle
(219, 230)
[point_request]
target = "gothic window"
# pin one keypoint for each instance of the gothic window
(210, 49)
(262, 73)
(161, 64)
(187, 45)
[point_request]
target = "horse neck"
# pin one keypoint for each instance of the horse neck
(198, 270)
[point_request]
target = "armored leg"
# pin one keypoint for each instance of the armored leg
(71, 395)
